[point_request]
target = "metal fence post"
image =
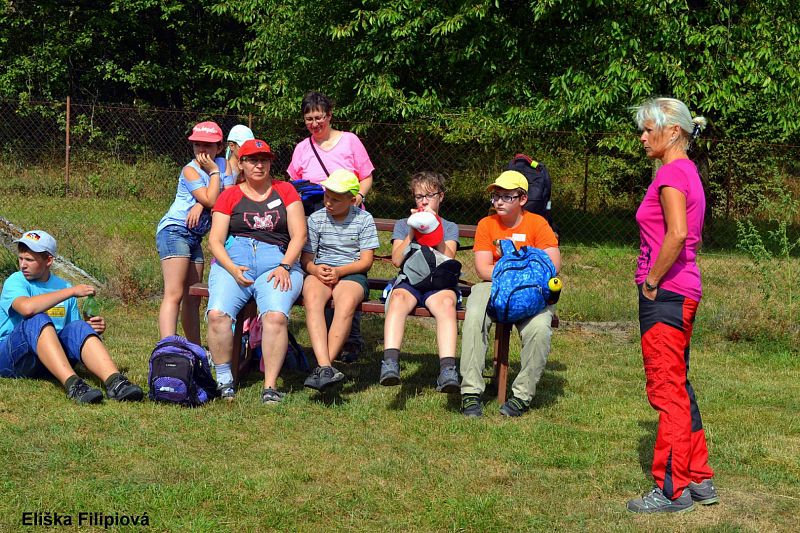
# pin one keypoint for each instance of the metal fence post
(66, 170)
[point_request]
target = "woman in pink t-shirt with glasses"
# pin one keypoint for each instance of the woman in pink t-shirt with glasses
(670, 220)
(313, 160)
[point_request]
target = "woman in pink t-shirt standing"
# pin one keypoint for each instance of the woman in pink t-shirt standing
(313, 160)
(670, 220)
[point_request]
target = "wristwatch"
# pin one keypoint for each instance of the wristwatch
(286, 266)
(650, 287)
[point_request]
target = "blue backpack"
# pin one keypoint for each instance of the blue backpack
(180, 373)
(519, 283)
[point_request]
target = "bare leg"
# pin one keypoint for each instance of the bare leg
(220, 336)
(346, 297)
(401, 304)
(97, 359)
(190, 308)
(315, 296)
(175, 272)
(52, 356)
(276, 328)
(442, 306)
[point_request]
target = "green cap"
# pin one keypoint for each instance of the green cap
(341, 180)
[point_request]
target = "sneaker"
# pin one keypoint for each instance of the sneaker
(312, 381)
(703, 493)
(448, 381)
(471, 405)
(226, 391)
(390, 373)
(513, 407)
(123, 390)
(81, 392)
(328, 377)
(270, 396)
(655, 502)
(350, 353)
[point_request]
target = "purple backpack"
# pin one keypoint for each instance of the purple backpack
(180, 373)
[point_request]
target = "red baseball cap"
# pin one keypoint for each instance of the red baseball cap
(255, 146)
(427, 227)
(208, 132)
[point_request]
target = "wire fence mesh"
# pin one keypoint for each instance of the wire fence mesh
(115, 168)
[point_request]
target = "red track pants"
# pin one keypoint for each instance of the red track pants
(681, 454)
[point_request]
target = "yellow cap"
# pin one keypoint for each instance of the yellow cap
(341, 180)
(510, 180)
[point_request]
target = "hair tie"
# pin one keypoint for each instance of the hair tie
(695, 131)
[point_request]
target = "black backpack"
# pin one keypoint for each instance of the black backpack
(539, 185)
(427, 269)
(180, 373)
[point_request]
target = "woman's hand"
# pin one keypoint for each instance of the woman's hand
(238, 275)
(207, 163)
(281, 277)
(649, 294)
(193, 217)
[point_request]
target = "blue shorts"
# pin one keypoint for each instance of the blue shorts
(178, 241)
(227, 296)
(18, 358)
(423, 296)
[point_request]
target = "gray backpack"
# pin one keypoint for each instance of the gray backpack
(427, 269)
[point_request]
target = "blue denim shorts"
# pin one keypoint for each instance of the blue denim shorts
(178, 241)
(227, 296)
(18, 358)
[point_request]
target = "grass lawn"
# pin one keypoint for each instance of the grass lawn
(379, 458)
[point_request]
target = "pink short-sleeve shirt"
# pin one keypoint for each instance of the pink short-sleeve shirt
(684, 276)
(348, 153)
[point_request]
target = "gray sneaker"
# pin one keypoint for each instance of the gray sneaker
(328, 377)
(226, 391)
(390, 373)
(270, 396)
(655, 502)
(704, 493)
(471, 405)
(448, 381)
(312, 381)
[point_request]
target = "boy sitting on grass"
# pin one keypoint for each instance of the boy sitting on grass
(41, 328)
(338, 253)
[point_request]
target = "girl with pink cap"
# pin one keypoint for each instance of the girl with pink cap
(180, 232)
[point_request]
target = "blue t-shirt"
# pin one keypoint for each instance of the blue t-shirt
(184, 200)
(16, 285)
(336, 243)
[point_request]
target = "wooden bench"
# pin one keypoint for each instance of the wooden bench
(241, 365)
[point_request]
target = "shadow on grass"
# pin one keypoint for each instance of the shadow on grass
(646, 444)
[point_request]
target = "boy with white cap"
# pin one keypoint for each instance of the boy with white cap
(338, 253)
(41, 328)
(511, 221)
(236, 138)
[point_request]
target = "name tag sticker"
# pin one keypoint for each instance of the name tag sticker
(274, 203)
(518, 237)
(57, 312)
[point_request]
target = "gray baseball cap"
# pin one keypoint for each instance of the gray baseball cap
(38, 241)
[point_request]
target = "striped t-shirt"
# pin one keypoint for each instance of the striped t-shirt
(337, 243)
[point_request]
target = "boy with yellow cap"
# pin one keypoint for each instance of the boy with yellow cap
(509, 192)
(338, 253)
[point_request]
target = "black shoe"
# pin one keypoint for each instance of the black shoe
(471, 405)
(123, 390)
(350, 353)
(312, 381)
(448, 381)
(328, 377)
(81, 392)
(513, 407)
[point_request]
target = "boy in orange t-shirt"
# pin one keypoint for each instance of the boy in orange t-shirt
(511, 221)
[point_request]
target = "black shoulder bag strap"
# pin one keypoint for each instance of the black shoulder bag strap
(311, 141)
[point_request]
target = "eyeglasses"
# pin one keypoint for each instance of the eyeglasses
(257, 161)
(507, 198)
(311, 120)
(429, 196)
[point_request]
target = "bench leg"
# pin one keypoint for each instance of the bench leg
(240, 363)
(502, 335)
